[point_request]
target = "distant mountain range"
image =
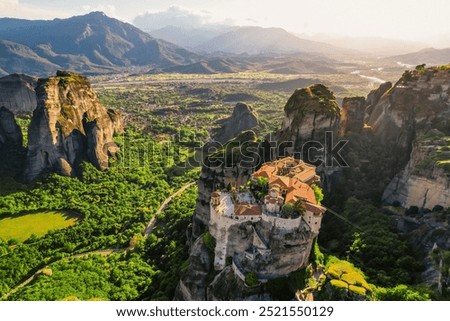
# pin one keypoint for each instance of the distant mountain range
(258, 40)
(293, 64)
(213, 66)
(93, 43)
(189, 38)
(429, 56)
(377, 46)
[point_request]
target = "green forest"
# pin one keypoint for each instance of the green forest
(94, 249)
(114, 208)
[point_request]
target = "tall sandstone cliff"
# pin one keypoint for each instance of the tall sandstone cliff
(413, 119)
(308, 114)
(17, 93)
(69, 126)
(244, 118)
(352, 115)
(225, 166)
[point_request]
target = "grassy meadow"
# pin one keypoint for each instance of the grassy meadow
(21, 227)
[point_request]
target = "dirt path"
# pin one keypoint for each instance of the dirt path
(105, 252)
(163, 206)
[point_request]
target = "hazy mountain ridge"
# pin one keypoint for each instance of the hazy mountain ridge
(189, 37)
(89, 43)
(258, 40)
(372, 45)
(429, 56)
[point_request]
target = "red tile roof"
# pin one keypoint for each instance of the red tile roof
(297, 180)
(316, 209)
(300, 191)
(247, 210)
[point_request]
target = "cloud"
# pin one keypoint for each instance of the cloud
(16, 9)
(173, 16)
(109, 10)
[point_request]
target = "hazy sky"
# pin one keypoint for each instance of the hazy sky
(401, 19)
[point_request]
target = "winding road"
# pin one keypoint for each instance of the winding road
(163, 206)
(106, 252)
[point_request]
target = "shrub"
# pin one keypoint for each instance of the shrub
(287, 211)
(318, 193)
(401, 293)
(210, 242)
(251, 279)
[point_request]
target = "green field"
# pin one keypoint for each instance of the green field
(21, 227)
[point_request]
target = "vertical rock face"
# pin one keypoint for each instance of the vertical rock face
(227, 166)
(243, 118)
(231, 164)
(309, 113)
(375, 95)
(413, 119)
(12, 153)
(17, 93)
(425, 181)
(117, 120)
(68, 126)
(417, 103)
(10, 132)
(352, 116)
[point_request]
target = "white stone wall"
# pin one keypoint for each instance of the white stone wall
(218, 227)
(314, 221)
(274, 208)
(288, 224)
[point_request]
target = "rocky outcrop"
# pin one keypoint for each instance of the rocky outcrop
(244, 118)
(309, 113)
(413, 119)
(68, 126)
(385, 156)
(227, 286)
(429, 235)
(117, 121)
(228, 165)
(232, 163)
(352, 115)
(17, 93)
(375, 95)
(12, 153)
(417, 103)
(10, 132)
(193, 284)
(425, 181)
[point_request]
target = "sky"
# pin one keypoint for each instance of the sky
(417, 20)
